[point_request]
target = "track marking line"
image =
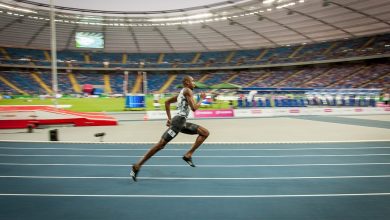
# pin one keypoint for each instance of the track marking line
(199, 196)
(215, 166)
(181, 149)
(198, 178)
(232, 142)
(219, 156)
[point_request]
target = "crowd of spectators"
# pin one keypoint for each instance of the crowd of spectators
(363, 46)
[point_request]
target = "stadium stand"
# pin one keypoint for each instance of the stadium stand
(344, 75)
(363, 46)
(358, 74)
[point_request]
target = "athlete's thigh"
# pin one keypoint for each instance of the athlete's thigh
(190, 128)
(177, 125)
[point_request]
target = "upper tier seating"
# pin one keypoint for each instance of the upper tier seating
(363, 46)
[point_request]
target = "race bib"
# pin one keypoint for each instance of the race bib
(172, 133)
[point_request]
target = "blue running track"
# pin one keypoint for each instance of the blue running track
(231, 181)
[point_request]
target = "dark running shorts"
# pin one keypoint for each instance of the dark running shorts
(179, 124)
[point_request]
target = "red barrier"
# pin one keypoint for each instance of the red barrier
(22, 116)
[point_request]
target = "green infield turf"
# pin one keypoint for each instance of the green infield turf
(94, 104)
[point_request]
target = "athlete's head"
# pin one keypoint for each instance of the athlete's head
(188, 82)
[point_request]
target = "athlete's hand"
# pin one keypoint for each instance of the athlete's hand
(168, 122)
(202, 95)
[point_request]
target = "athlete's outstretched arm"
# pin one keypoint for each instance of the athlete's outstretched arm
(168, 102)
(190, 99)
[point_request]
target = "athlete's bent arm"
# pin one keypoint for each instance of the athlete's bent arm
(168, 103)
(190, 99)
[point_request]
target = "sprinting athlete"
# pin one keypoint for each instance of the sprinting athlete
(178, 123)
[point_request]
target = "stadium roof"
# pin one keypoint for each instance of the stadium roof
(125, 6)
(202, 25)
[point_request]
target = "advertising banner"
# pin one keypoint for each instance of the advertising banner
(150, 115)
(270, 112)
(222, 113)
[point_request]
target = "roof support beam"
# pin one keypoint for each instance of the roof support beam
(104, 28)
(359, 12)
(20, 20)
(71, 36)
(289, 28)
(223, 35)
(193, 36)
(165, 38)
(255, 32)
(37, 33)
(134, 38)
(283, 25)
(319, 20)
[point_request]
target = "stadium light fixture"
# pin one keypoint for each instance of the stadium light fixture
(190, 17)
(177, 20)
(266, 2)
(17, 9)
(285, 5)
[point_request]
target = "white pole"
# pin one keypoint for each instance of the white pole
(53, 49)
(145, 87)
(126, 83)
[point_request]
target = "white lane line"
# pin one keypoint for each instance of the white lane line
(217, 142)
(218, 156)
(201, 149)
(198, 196)
(198, 178)
(215, 166)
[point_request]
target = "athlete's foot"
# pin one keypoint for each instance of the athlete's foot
(134, 173)
(189, 161)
